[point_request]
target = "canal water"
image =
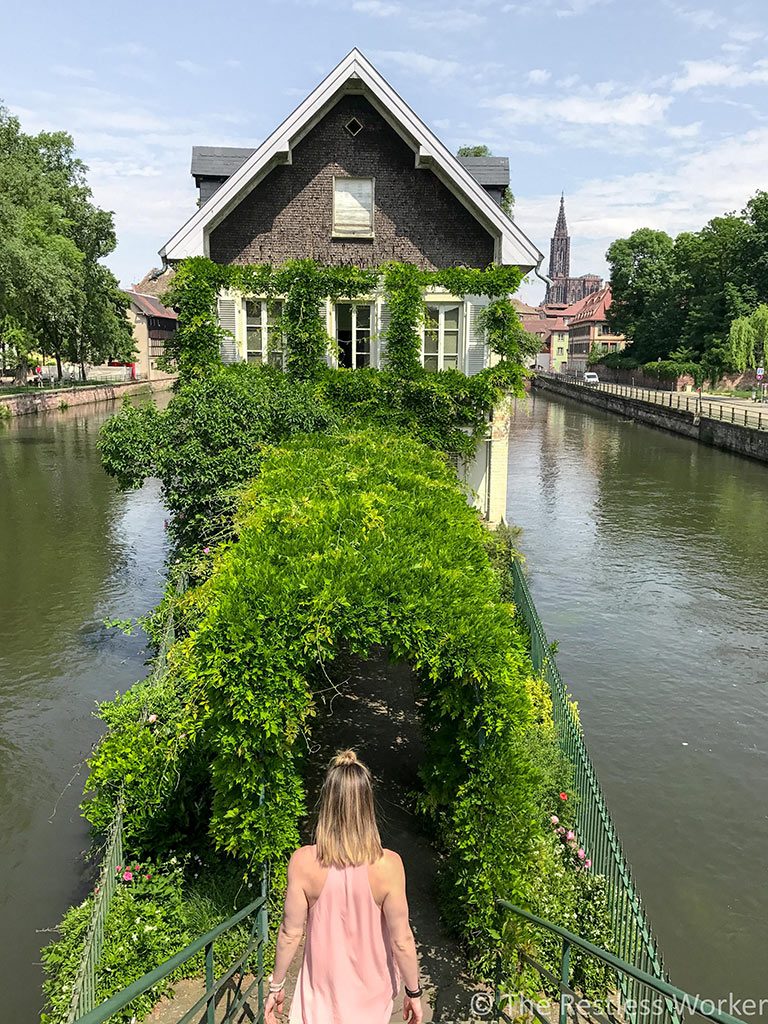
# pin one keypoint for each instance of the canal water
(648, 558)
(73, 552)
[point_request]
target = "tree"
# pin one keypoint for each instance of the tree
(473, 151)
(748, 340)
(55, 296)
(643, 286)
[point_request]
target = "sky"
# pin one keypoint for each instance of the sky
(644, 112)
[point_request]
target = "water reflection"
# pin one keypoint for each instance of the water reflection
(648, 565)
(72, 552)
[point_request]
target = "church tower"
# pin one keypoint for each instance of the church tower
(559, 260)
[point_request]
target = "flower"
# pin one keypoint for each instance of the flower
(152, 719)
(206, 551)
(561, 831)
(570, 834)
(127, 875)
(563, 796)
(147, 877)
(581, 854)
(587, 863)
(555, 820)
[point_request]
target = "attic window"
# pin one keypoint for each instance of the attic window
(353, 127)
(353, 207)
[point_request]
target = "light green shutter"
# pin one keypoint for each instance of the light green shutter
(227, 315)
(476, 357)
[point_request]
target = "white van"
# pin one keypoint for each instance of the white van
(591, 378)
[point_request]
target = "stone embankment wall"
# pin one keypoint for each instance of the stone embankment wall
(716, 434)
(38, 400)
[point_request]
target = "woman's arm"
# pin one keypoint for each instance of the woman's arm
(395, 908)
(289, 934)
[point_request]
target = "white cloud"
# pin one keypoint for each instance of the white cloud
(420, 63)
(191, 67)
(538, 76)
(67, 71)
(688, 192)
(700, 74)
(698, 17)
(376, 8)
(601, 107)
(574, 8)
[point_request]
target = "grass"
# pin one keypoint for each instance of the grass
(47, 389)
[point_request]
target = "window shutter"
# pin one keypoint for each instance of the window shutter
(476, 347)
(227, 315)
(383, 330)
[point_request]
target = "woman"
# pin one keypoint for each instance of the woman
(350, 893)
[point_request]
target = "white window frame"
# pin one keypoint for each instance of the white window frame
(372, 308)
(265, 326)
(442, 306)
(346, 231)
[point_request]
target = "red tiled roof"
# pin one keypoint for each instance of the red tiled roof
(150, 305)
(593, 307)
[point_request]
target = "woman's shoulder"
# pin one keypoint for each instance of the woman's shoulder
(390, 864)
(303, 859)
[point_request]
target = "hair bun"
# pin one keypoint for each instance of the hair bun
(345, 757)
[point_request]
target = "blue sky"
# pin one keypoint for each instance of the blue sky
(645, 113)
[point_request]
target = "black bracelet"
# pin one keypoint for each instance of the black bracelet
(415, 994)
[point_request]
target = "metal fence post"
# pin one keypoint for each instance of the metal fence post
(210, 1003)
(565, 971)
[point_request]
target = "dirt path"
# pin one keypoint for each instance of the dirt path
(371, 706)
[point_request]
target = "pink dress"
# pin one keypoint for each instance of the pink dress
(348, 975)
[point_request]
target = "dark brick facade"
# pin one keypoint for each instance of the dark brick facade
(289, 214)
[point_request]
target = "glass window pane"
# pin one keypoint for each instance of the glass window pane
(363, 317)
(450, 362)
(451, 318)
(343, 321)
(253, 312)
(430, 363)
(432, 317)
(353, 205)
(430, 343)
(363, 359)
(451, 342)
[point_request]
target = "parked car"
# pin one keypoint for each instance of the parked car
(591, 378)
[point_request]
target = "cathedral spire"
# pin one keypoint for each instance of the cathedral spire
(559, 256)
(561, 228)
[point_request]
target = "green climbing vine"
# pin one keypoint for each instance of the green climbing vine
(303, 286)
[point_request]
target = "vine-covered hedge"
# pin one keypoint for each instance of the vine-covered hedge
(347, 541)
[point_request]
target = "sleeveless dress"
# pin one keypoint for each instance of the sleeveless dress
(348, 975)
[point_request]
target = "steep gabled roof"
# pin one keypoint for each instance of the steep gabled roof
(150, 305)
(355, 73)
(594, 307)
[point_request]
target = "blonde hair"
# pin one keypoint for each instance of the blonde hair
(347, 833)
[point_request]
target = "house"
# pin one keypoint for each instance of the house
(551, 329)
(353, 176)
(152, 323)
(588, 330)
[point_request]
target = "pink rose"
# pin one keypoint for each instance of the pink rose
(555, 820)
(581, 854)
(587, 863)
(127, 875)
(206, 551)
(561, 831)
(570, 834)
(152, 719)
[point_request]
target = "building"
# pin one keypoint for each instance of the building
(152, 323)
(564, 289)
(588, 330)
(353, 175)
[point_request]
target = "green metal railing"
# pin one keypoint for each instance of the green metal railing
(236, 984)
(85, 985)
(654, 999)
(632, 938)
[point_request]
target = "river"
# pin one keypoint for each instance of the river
(648, 560)
(648, 563)
(73, 552)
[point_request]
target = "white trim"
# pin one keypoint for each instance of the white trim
(356, 73)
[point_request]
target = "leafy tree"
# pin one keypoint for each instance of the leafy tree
(53, 289)
(748, 340)
(642, 271)
(473, 151)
